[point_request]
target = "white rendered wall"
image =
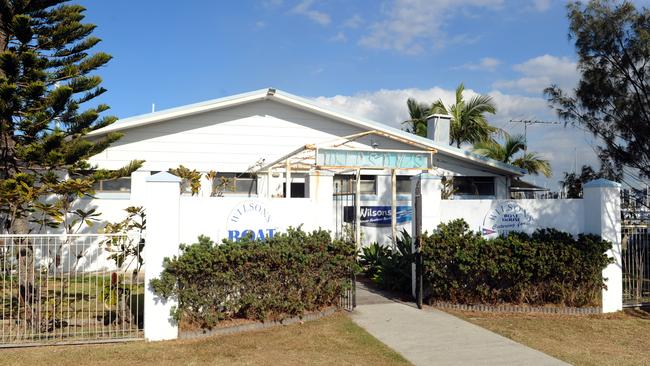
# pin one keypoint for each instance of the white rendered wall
(209, 216)
(566, 215)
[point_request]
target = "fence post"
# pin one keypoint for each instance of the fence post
(139, 186)
(430, 192)
(162, 203)
(602, 200)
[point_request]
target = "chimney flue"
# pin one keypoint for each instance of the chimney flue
(438, 128)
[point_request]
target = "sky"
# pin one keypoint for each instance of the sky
(364, 57)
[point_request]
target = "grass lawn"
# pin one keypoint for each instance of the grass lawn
(333, 340)
(612, 339)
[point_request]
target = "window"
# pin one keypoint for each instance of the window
(297, 190)
(347, 184)
(113, 185)
(474, 186)
(403, 184)
(236, 183)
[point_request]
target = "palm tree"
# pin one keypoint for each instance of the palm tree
(418, 112)
(468, 123)
(506, 153)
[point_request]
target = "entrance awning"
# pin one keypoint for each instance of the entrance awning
(341, 155)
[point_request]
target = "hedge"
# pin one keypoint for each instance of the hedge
(286, 275)
(547, 267)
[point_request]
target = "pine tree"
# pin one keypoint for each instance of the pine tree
(46, 86)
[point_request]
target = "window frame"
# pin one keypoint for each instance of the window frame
(231, 189)
(98, 185)
(473, 181)
(348, 180)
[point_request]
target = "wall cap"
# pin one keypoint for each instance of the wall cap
(426, 176)
(322, 173)
(164, 177)
(601, 183)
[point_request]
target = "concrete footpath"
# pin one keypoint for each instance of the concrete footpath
(432, 337)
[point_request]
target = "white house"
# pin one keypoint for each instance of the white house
(267, 138)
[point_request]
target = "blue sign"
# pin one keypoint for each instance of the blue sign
(373, 159)
(379, 216)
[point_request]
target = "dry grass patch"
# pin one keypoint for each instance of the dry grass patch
(611, 339)
(331, 341)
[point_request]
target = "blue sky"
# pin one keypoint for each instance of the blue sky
(365, 57)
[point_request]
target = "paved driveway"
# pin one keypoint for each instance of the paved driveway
(432, 337)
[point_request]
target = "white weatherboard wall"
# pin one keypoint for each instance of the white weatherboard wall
(229, 140)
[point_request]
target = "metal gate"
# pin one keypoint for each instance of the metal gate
(348, 299)
(635, 258)
(344, 214)
(345, 229)
(70, 289)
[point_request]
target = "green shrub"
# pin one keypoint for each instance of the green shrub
(388, 268)
(548, 266)
(286, 275)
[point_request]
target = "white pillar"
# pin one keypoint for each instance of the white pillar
(431, 197)
(320, 190)
(357, 210)
(602, 200)
(139, 186)
(162, 204)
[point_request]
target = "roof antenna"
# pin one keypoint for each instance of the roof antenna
(153, 107)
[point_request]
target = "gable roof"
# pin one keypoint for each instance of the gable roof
(307, 105)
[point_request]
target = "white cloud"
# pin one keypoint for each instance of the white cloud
(339, 37)
(554, 142)
(540, 72)
(486, 64)
(541, 5)
(353, 22)
(304, 8)
(411, 24)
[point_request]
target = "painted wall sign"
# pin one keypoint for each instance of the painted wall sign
(378, 216)
(250, 218)
(373, 159)
(506, 217)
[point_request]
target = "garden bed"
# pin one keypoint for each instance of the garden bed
(515, 308)
(233, 326)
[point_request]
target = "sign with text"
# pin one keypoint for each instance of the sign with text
(507, 217)
(373, 159)
(378, 216)
(250, 219)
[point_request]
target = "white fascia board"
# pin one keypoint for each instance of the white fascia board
(183, 111)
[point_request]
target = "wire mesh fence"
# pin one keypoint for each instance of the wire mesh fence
(635, 257)
(70, 288)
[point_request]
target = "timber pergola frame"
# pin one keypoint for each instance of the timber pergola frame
(306, 159)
